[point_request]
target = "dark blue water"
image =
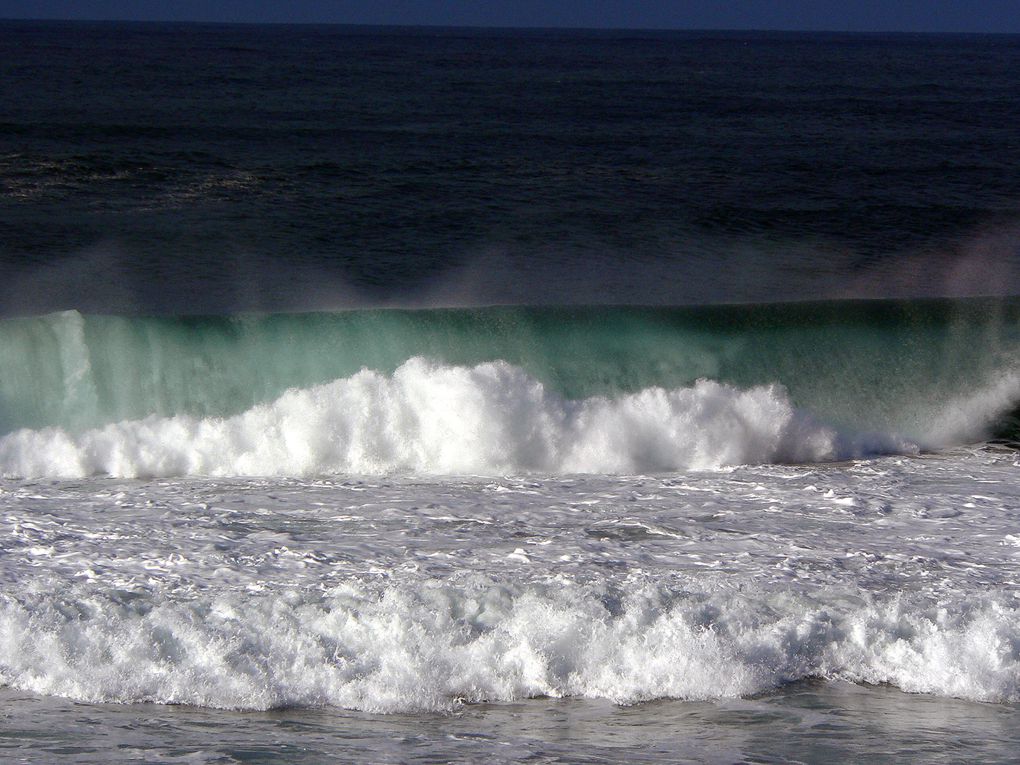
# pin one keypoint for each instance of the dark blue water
(211, 169)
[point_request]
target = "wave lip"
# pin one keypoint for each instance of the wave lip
(430, 418)
(430, 648)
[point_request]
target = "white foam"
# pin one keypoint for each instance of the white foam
(431, 647)
(434, 419)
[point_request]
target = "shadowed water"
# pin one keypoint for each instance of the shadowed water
(806, 722)
(176, 168)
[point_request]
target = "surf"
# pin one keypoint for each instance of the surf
(428, 418)
(503, 388)
(432, 647)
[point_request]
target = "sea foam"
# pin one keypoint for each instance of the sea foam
(432, 646)
(431, 418)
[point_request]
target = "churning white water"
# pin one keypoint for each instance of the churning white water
(402, 594)
(430, 418)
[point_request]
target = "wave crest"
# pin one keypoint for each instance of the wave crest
(431, 418)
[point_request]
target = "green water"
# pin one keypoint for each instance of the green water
(876, 364)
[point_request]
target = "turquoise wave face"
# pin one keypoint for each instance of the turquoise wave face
(870, 365)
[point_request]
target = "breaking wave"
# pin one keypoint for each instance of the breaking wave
(432, 647)
(610, 390)
(436, 419)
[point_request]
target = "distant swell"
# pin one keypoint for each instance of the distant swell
(437, 419)
(432, 647)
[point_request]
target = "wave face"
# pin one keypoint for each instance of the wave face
(483, 390)
(429, 648)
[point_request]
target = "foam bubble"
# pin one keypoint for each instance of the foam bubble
(436, 419)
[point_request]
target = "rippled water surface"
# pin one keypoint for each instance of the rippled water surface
(807, 722)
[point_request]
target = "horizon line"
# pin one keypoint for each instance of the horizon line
(499, 28)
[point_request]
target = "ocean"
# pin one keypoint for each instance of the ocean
(455, 395)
